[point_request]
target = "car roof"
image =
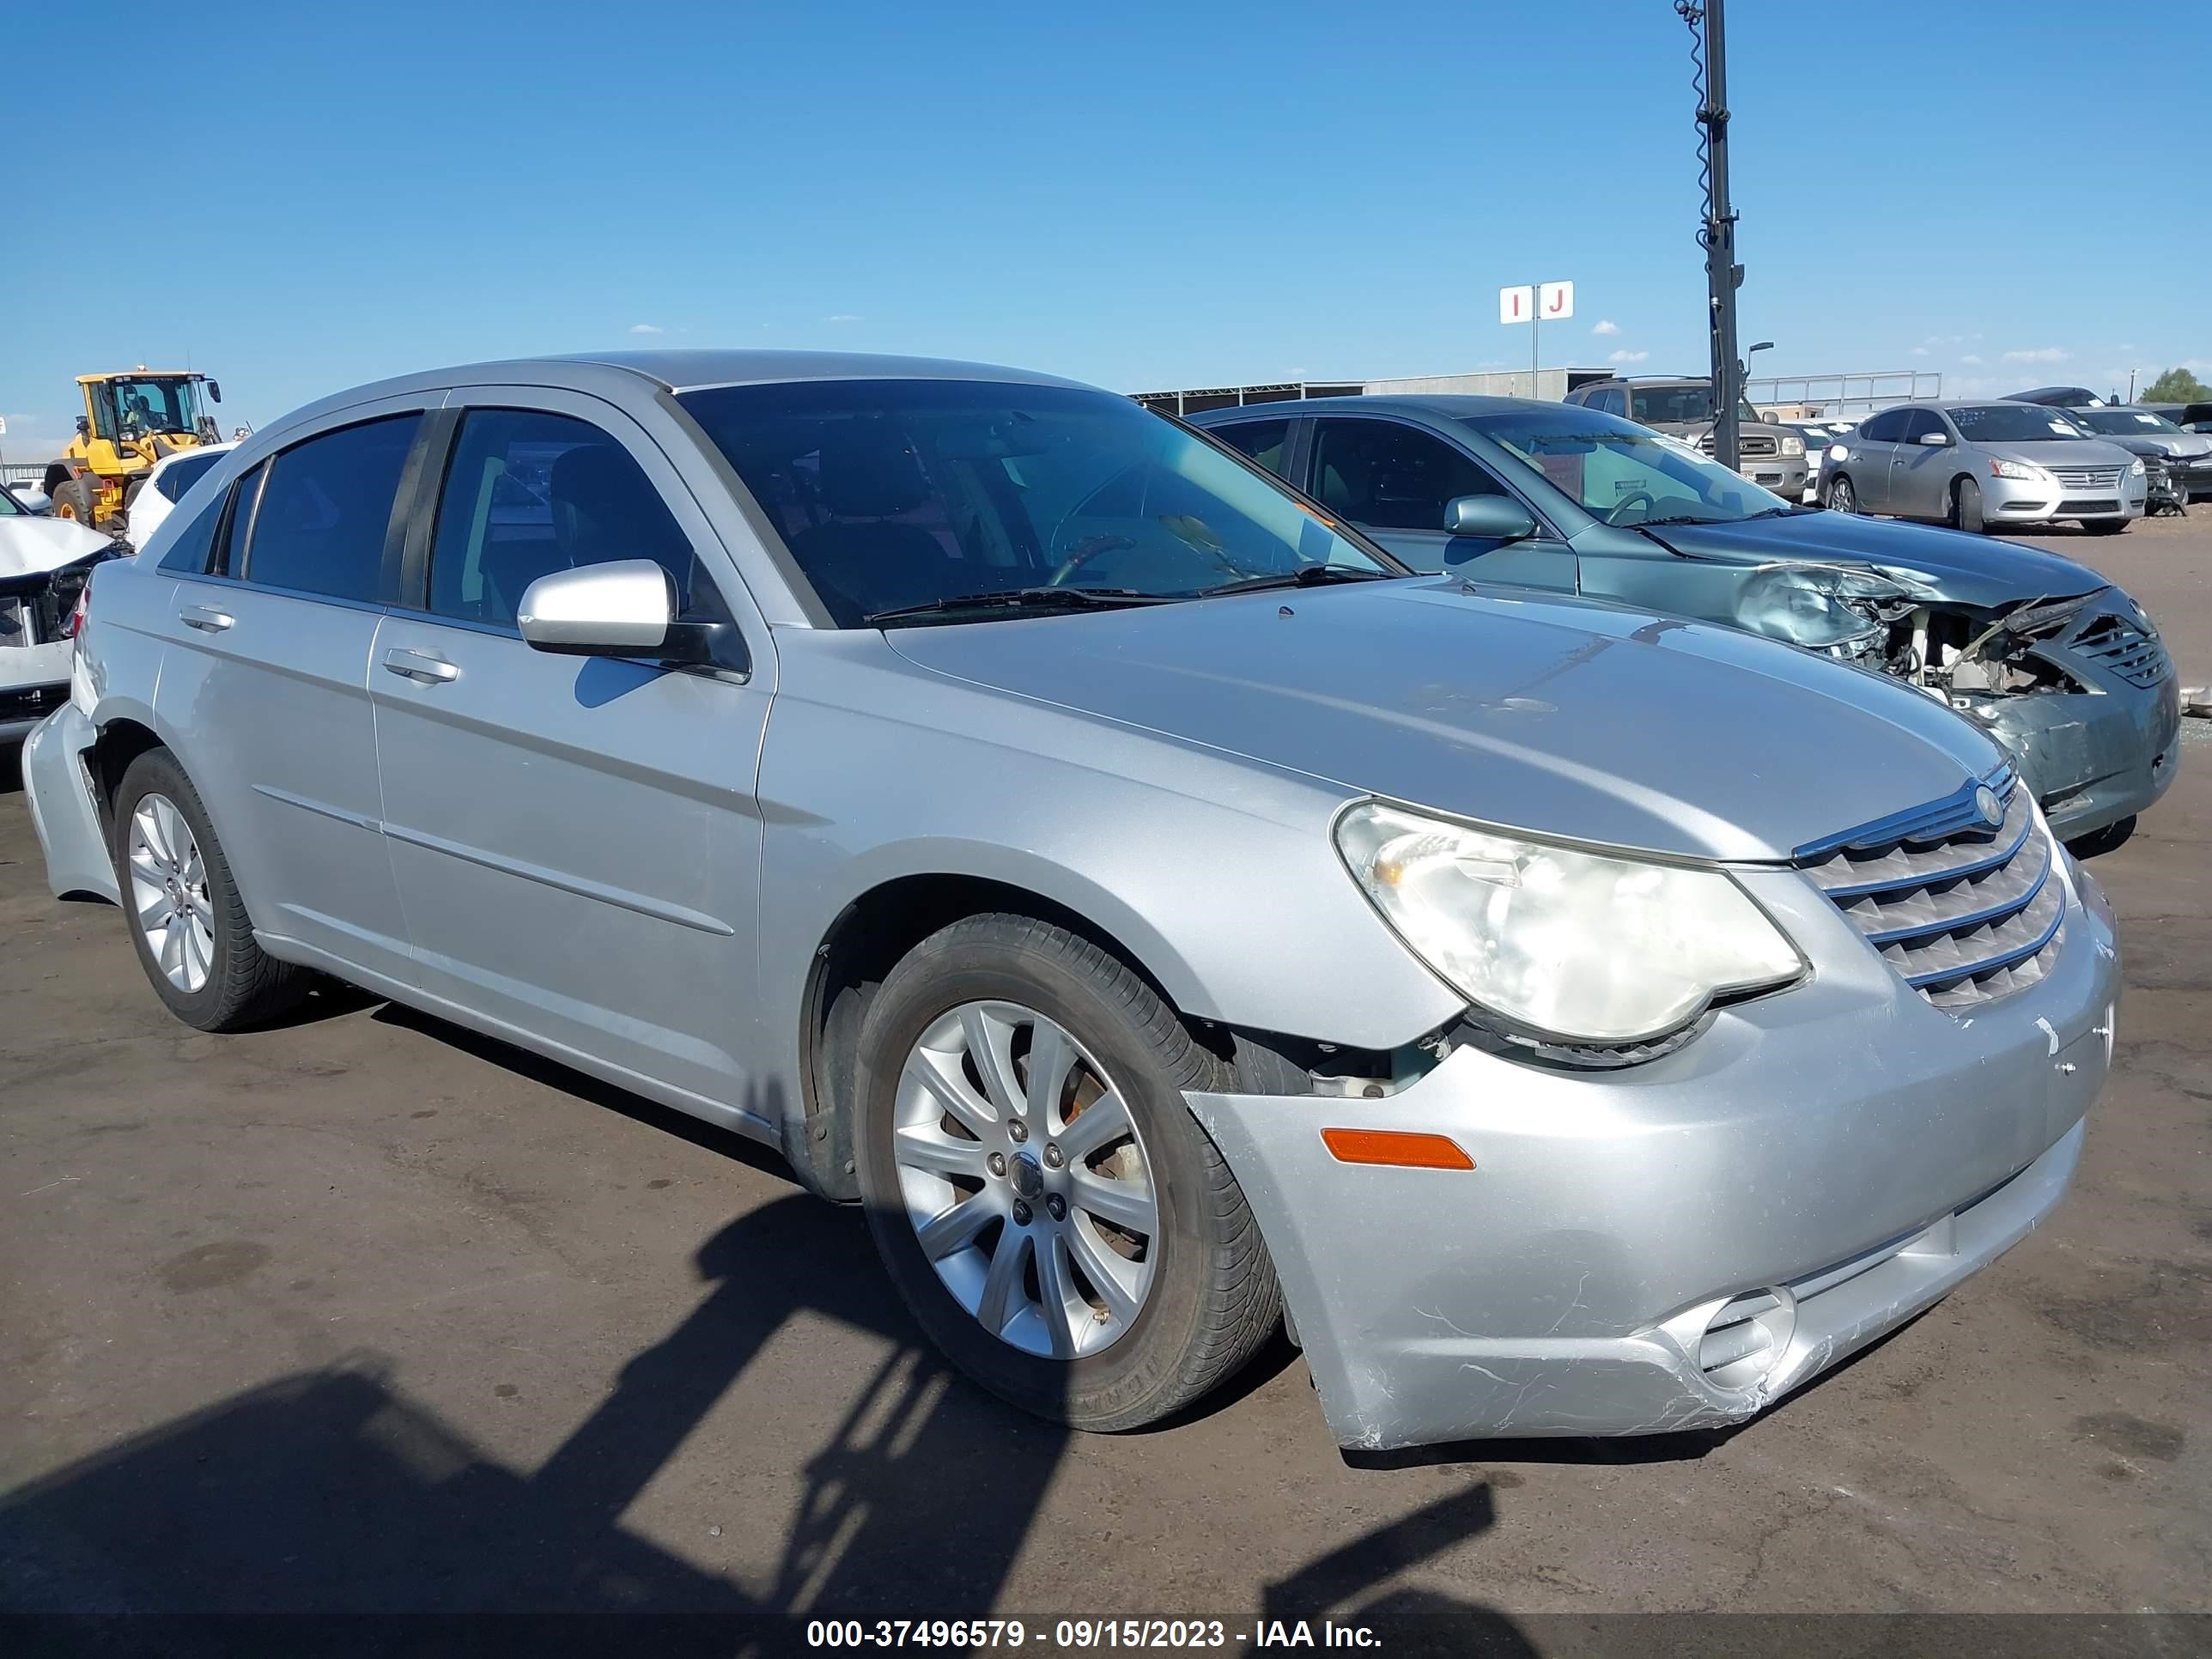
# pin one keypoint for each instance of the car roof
(1450, 405)
(197, 449)
(615, 373)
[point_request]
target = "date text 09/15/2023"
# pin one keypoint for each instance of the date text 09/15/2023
(1085, 1634)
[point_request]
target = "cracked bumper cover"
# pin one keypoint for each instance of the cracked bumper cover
(62, 810)
(1843, 1141)
(2093, 759)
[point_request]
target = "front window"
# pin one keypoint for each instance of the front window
(1623, 474)
(1669, 405)
(141, 408)
(2123, 422)
(897, 494)
(2012, 423)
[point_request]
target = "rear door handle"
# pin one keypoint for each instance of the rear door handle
(420, 667)
(205, 618)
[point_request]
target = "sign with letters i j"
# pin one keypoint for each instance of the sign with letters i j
(1550, 302)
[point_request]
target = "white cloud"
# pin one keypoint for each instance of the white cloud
(1920, 351)
(1950, 340)
(1971, 361)
(843, 317)
(2035, 354)
(2126, 350)
(2196, 365)
(1605, 326)
(644, 328)
(1628, 356)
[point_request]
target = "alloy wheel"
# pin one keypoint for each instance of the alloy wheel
(1025, 1180)
(169, 893)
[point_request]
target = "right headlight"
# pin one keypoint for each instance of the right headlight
(1569, 945)
(2020, 469)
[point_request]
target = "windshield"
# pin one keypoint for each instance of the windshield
(164, 404)
(2012, 423)
(893, 493)
(1665, 405)
(2123, 422)
(1622, 473)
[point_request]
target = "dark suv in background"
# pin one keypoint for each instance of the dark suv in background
(1682, 407)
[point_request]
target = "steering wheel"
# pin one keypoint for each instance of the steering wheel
(1085, 552)
(1629, 500)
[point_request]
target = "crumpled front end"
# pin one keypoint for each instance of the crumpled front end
(1677, 1243)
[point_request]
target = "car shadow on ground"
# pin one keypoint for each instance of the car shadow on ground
(305, 1514)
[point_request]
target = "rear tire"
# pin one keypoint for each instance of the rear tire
(1967, 506)
(1842, 498)
(205, 963)
(1205, 1295)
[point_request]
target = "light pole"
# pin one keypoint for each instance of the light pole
(1724, 276)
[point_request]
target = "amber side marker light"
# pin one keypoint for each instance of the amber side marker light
(1398, 1147)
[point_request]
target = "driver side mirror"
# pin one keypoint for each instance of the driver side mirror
(215, 391)
(84, 426)
(1936, 439)
(1495, 517)
(626, 608)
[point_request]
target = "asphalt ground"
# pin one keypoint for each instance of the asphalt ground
(365, 1314)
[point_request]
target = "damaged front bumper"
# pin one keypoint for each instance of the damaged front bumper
(1679, 1243)
(2092, 758)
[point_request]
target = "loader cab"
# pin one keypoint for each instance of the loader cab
(126, 408)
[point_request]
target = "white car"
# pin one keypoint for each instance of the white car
(44, 564)
(166, 484)
(1818, 436)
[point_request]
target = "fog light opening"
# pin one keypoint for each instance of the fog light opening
(1745, 1337)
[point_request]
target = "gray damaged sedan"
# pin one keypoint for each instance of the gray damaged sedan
(1164, 916)
(2065, 670)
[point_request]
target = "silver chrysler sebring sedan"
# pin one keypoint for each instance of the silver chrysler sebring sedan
(1165, 914)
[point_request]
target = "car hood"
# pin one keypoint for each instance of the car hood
(29, 546)
(1560, 717)
(1970, 570)
(2060, 451)
(2180, 446)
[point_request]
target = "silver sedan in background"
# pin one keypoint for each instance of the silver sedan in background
(1974, 465)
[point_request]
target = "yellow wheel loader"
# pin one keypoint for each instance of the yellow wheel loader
(131, 420)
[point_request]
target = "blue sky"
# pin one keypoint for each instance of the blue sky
(1138, 194)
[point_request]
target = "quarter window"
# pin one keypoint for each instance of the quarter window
(188, 553)
(326, 509)
(1265, 441)
(1392, 476)
(528, 492)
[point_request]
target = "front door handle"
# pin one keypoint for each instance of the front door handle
(420, 667)
(205, 618)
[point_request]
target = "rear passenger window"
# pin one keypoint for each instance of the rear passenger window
(188, 553)
(528, 492)
(181, 475)
(1263, 440)
(327, 508)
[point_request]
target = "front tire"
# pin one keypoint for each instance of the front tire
(1038, 1189)
(1842, 498)
(2098, 843)
(188, 923)
(73, 498)
(1967, 506)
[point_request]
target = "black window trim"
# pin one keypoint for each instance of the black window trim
(1547, 531)
(422, 488)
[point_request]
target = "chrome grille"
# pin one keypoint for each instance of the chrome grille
(1748, 444)
(2085, 478)
(2118, 646)
(1964, 913)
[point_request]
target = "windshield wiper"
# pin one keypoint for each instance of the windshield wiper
(1306, 575)
(1022, 598)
